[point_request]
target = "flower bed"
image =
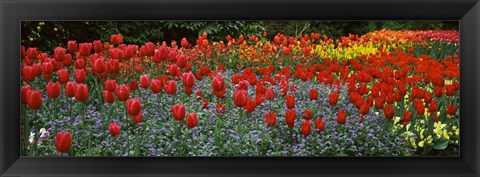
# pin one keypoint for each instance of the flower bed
(386, 93)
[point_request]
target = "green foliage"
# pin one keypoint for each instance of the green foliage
(134, 32)
(46, 35)
(416, 25)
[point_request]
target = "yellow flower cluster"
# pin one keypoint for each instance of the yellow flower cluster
(356, 50)
(440, 132)
(368, 44)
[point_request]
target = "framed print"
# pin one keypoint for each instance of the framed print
(239, 88)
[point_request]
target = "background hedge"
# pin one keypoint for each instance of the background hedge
(46, 35)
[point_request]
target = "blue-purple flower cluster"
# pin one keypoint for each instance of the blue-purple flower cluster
(232, 133)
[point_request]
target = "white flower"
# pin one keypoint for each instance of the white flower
(44, 135)
(31, 138)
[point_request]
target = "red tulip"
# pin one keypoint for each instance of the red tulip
(47, 67)
(427, 98)
(79, 63)
(406, 116)
(243, 85)
(419, 107)
(110, 85)
(134, 106)
(188, 68)
(113, 66)
(205, 104)
(79, 75)
(70, 89)
(250, 105)
(23, 94)
(259, 99)
(63, 76)
(271, 119)
(365, 108)
(117, 53)
(433, 106)
(451, 109)
(81, 92)
(97, 46)
(220, 108)
(269, 94)
(114, 129)
(108, 96)
(156, 86)
(449, 90)
(307, 114)
(138, 118)
(290, 117)
(63, 142)
(218, 83)
(144, 81)
(58, 54)
(171, 87)
(72, 46)
(116, 39)
(173, 70)
(123, 92)
(172, 56)
(133, 85)
(240, 97)
(313, 94)
(66, 61)
(306, 127)
(333, 98)
(85, 49)
(32, 53)
(99, 66)
(205, 70)
(438, 91)
(53, 90)
(188, 90)
(23, 52)
(435, 117)
(34, 99)
(188, 79)
(341, 117)
(163, 52)
(184, 43)
(178, 111)
(236, 78)
(319, 124)
(389, 112)
(181, 61)
(28, 74)
(192, 120)
(417, 93)
(260, 89)
(199, 94)
(290, 101)
(220, 94)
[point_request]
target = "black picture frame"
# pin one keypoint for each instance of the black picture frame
(467, 12)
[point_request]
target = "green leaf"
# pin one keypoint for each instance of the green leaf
(441, 144)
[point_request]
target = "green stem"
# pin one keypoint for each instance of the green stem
(193, 143)
(291, 135)
(35, 139)
(26, 127)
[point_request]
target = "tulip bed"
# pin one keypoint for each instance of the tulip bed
(385, 93)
